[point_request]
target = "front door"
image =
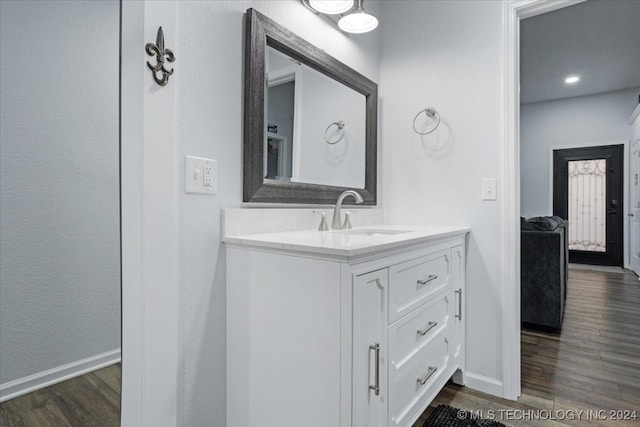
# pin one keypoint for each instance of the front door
(587, 191)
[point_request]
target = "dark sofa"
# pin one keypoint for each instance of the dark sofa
(543, 272)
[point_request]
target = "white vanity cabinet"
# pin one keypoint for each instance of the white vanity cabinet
(350, 337)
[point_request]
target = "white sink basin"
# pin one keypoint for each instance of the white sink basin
(374, 231)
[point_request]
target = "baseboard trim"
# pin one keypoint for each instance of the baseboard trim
(484, 384)
(58, 374)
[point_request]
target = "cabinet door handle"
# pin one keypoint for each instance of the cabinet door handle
(432, 370)
(428, 279)
(430, 326)
(459, 314)
(376, 386)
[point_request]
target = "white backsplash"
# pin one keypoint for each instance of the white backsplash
(241, 221)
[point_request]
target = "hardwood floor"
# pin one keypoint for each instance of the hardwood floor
(92, 399)
(593, 364)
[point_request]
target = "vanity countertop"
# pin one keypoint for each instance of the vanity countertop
(358, 241)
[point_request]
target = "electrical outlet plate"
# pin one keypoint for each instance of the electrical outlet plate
(200, 175)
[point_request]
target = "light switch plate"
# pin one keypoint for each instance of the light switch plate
(489, 189)
(200, 175)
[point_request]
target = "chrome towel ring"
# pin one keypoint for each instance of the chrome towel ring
(431, 113)
(340, 125)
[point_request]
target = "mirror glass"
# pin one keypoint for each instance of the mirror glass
(310, 121)
(315, 126)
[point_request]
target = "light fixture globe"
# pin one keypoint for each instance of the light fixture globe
(358, 21)
(331, 7)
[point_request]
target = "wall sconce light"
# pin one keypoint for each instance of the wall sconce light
(331, 7)
(353, 17)
(357, 20)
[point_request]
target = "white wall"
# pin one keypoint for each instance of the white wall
(449, 55)
(568, 122)
(59, 194)
(209, 79)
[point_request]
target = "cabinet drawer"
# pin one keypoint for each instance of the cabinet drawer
(413, 282)
(413, 332)
(420, 379)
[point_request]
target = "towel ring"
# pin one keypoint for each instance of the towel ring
(430, 113)
(340, 126)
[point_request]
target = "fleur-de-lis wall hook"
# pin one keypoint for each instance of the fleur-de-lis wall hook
(160, 53)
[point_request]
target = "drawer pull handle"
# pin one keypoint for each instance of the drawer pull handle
(376, 386)
(430, 326)
(431, 278)
(423, 380)
(459, 314)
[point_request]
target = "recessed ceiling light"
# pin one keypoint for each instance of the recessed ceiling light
(572, 79)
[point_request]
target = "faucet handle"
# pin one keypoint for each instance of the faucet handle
(347, 220)
(323, 221)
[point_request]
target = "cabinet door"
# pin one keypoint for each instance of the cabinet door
(369, 349)
(458, 290)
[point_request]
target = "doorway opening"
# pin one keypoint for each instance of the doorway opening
(276, 156)
(516, 12)
(588, 194)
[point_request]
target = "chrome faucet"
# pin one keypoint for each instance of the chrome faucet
(336, 223)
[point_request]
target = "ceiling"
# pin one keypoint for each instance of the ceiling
(598, 40)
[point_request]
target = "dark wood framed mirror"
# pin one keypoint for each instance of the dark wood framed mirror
(262, 37)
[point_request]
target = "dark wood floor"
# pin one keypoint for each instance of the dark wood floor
(92, 399)
(592, 364)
